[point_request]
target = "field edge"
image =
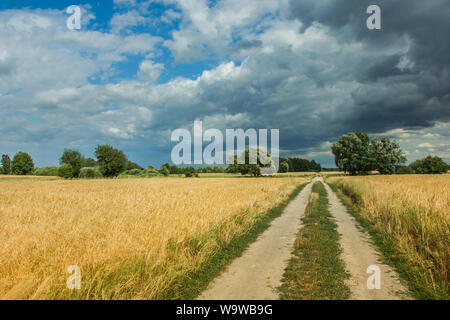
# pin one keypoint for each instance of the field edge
(190, 286)
(388, 253)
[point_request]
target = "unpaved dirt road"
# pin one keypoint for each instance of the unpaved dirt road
(256, 274)
(359, 254)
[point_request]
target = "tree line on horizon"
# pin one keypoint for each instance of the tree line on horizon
(355, 153)
(112, 162)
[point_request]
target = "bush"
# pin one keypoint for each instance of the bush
(90, 173)
(164, 171)
(190, 172)
(65, 171)
(133, 172)
(150, 171)
(132, 165)
(46, 171)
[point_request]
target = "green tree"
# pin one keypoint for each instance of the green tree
(89, 163)
(352, 153)
(252, 162)
(404, 170)
(314, 166)
(290, 164)
(175, 170)
(170, 169)
(132, 165)
(66, 171)
(302, 165)
(22, 164)
(6, 164)
(166, 165)
(232, 168)
(386, 155)
(429, 165)
(74, 158)
(112, 161)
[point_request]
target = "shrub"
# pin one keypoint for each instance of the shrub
(133, 172)
(164, 171)
(46, 171)
(150, 171)
(190, 172)
(90, 173)
(65, 171)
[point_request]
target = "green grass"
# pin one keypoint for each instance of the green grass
(316, 271)
(382, 239)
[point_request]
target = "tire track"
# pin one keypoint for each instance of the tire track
(359, 255)
(258, 272)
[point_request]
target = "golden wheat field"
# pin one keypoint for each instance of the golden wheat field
(414, 212)
(131, 238)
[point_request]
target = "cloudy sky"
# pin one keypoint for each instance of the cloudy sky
(137, 70)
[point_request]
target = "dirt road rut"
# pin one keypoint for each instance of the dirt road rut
(256, 274)
(362, 260)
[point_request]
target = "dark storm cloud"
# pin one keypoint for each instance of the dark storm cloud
(427, 23)
(413, 95)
